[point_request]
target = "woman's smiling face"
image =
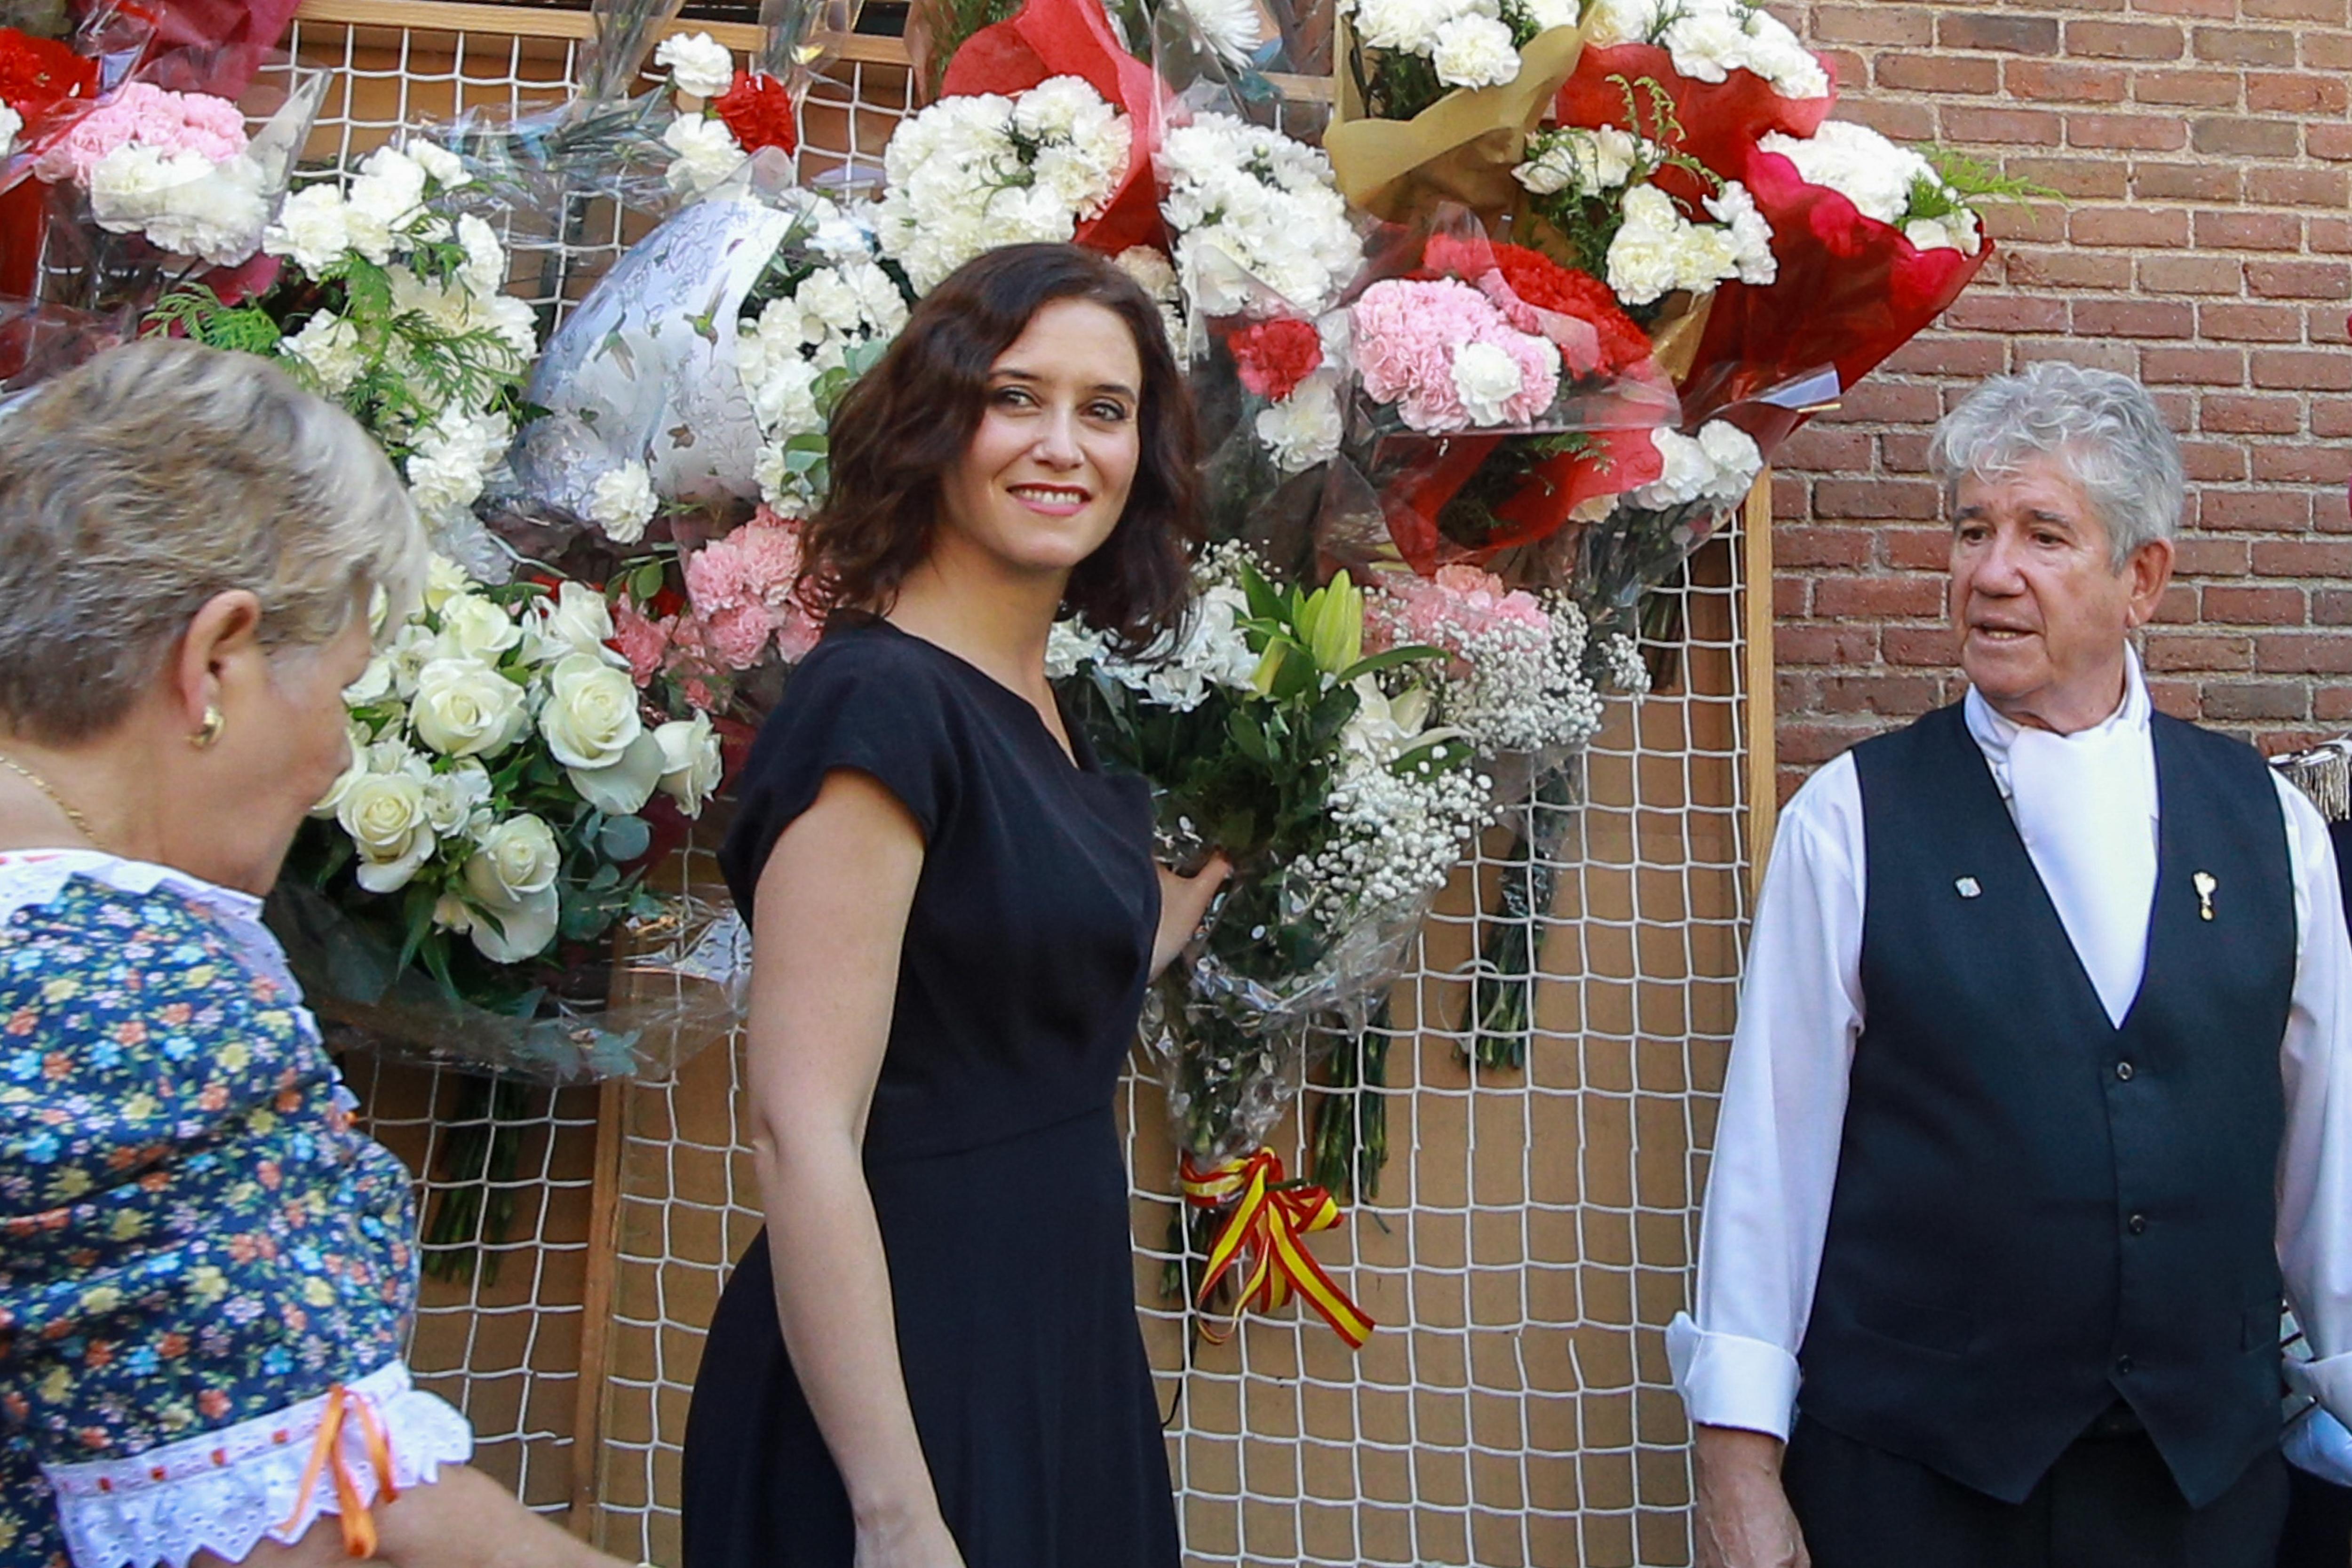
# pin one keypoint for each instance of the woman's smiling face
(1045, 478)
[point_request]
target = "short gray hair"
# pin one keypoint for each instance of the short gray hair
(140, 485)
(2101, 429)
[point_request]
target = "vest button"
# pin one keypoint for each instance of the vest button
(2124, 1071)
(2123, 1366)
(2137, 1224)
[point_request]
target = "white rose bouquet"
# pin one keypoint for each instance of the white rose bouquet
(506, 791)
(393, 304)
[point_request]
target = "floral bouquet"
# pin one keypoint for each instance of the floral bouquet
(747, 112)
(391, 303)
(492, 831)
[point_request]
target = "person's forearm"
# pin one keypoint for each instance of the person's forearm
(1742, 1517)
(832, 1300)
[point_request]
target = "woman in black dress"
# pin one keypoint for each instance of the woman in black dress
(955, 914)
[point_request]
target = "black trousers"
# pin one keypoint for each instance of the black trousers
(2318, 1524)
(2108, 1502)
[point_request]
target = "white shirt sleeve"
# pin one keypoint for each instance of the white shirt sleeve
(2314, 1180)
(1783, 1119)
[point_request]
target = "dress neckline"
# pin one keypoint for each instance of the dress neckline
(1078, 759)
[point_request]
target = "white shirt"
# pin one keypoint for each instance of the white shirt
(2085, 806)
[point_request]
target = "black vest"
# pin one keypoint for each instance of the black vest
(2037, 1211)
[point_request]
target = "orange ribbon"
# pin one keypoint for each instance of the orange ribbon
(1265, 1235)
(327, 1454)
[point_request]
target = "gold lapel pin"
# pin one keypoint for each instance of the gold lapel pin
(2203, 881)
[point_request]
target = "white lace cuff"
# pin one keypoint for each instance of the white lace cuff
(224, 1491)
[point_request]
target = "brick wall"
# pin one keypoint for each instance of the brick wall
(2204, 151)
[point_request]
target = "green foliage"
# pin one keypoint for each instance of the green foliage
(1962, 183)
(1588, 224)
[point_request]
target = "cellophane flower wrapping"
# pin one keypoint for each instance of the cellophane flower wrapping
(460, 885)
(682, 364)
(148, 182)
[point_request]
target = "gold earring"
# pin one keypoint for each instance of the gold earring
(210, 730)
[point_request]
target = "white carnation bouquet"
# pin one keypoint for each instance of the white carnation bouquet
(1421, 49)
(1886, 181)
(973, 173)
(1710, 39)
(393, 305)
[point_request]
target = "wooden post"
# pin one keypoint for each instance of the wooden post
(1761, 708)
(596, 1305)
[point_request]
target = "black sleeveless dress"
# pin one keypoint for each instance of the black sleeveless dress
(995, 1167)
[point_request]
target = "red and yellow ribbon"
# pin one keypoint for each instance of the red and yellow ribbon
(327, 1454)
(1266, 1236)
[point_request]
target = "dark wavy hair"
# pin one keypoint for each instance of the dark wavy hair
(905, 422)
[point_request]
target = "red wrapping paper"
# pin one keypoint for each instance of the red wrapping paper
(1851, 292)
(1722, 120)
(1073, 37)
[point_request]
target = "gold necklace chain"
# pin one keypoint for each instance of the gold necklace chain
(81, 823)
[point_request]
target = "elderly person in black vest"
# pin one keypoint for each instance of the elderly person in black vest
(2040, 1093)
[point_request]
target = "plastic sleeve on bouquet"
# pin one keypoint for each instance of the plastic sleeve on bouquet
(666, 988)
(1233, 1046)
(1851, 292)
(1047, 38)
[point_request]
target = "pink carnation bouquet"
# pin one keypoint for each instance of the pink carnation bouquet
(1447, 358)
(738, 604)
(174, 167)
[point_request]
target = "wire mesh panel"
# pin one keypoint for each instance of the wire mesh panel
(1531, 1236)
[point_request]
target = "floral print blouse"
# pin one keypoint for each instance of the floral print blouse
(192, 1232)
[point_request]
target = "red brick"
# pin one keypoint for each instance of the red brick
(2205, 182)
(2249, 323)
(2333, 143)
(2177, 607)
(2019, 127)
(2044, 79)
(2328, 236)
(2211, 8)
(1845, 66)
(2125, 41)
(2277, 509)
(2187, 89)
(2181, 650)
(1917, 549)
(2026, 223)
(1790, 596)
(1874, 24)
(2192, 556)
(2230, 137)
(2304, 653)
(2138, 132)
(2134, 317)
(2302, 558)
(2317, 370)
(1820, 645)
(2331, 416)
(2249, 231)
(1902, 122)
(1881, 597)
(2193, 366)
(2299, 279)
(2191, 275)
(2255, 699)
(2247, 415)
(1973, 30)
(2253, 607)
(2142, 227)
(2092, 354)
(1825, 446)
(2245, 46)
(1902, 696)
(2009, 313)
(2178, 699)
(1812, 547)
(2033, 267)
(2079, 178)
(1817, 744)
(1891, 403)
(2303, 463)
(2294, 94)
(2324, 323)
(2299, 187)
(2332, 607)
(2214, 462)
(1876, 499)
(1937, 73)
(2329, 11)
(2326, 51)
(1903, 453)
(1930, 648)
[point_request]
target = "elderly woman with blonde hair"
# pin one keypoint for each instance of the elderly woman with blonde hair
(207, 1273)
